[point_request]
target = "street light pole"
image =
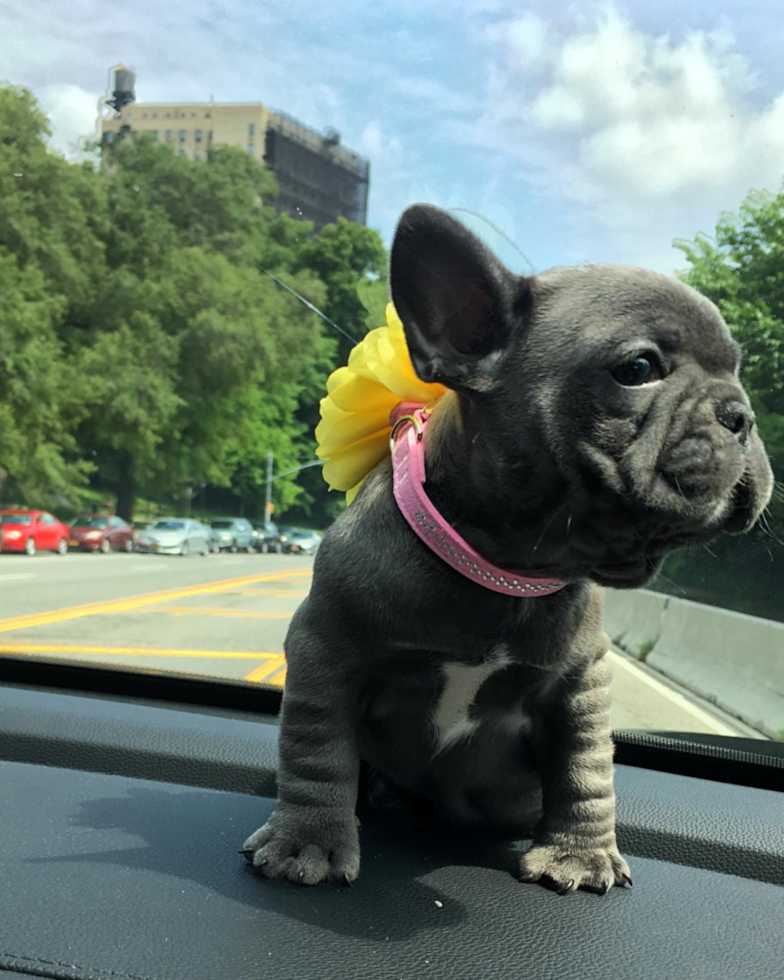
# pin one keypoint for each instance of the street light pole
(268, 504)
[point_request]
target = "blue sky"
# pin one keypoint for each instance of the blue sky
(598, 132)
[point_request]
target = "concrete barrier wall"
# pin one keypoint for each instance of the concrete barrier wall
(634, 620)
(735, 661)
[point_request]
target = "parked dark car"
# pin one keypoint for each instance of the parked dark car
(266, 537)
(231, 534)
(102, 534)
(29, 531)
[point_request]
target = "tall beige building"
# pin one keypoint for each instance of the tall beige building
(319, 178)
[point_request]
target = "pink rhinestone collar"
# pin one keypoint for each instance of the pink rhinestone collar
(407, 442)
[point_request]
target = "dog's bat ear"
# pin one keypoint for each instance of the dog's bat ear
(454, 297)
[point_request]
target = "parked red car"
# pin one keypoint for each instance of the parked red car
(100, 534)
(29, 531)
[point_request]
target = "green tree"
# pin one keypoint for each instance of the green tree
(349, 259)
(220, 203)
(223, 346)
(262, 425)
(342, 255)
(244, 346)
(141, 346)
(39, 397)
(52, 215)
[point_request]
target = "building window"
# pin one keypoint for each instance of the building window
(144, 115)
(183, 115)
(168, 134)
(182, 153)
(197, 154)
(168, 115)
(127, 117)
(193, 115)
(251, 129)
(197, 135)
(108, 137)
(155, 115)
(154, 135)
(251, 148)
(183, 136)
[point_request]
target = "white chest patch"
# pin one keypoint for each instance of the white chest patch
(462, 684)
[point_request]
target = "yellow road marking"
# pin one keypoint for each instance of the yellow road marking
(210, 611)
(273, 671)
(9, 648)
(278, 592)
(278, 679)
(136, 602)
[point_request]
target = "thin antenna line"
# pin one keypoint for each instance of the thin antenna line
(503, 235)
(307, 303)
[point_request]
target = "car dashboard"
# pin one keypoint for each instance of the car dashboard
(123, 815)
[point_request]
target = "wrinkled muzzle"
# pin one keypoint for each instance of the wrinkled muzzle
(700, 462)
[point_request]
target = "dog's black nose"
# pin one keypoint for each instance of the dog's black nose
(736, 417)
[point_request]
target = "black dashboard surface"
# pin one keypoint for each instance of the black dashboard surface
(110, 875)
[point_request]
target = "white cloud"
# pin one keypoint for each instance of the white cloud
(527, 39)
(647, 137)
(72, 116)
(376, 145)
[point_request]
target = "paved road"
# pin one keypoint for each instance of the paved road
(226, 616)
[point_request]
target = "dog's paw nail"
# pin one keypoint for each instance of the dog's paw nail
(628, 880)
(605, 888)
(247, 854)
(300, 875)
(567, 887)
(347, 881)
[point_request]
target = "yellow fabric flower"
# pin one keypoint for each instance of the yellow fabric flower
(353, 434)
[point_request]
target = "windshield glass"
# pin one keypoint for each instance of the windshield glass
(199, 247)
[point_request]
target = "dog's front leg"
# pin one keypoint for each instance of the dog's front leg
(311, 835)
(575, 843)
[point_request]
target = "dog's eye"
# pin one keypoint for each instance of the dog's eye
(636, 372)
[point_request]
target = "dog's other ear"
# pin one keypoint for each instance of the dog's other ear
(454, 298)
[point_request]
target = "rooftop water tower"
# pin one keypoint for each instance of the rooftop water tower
(122, 82)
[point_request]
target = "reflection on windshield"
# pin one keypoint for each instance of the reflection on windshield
(15, 518)
(168, 526)
(90, 522)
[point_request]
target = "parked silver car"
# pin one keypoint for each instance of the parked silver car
(174, 536)
(300, 541)
(231, 534)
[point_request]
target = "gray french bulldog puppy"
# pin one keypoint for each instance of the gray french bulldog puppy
(595, 422)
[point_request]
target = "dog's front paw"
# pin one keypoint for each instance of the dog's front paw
(305, 847)
(568, 868)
